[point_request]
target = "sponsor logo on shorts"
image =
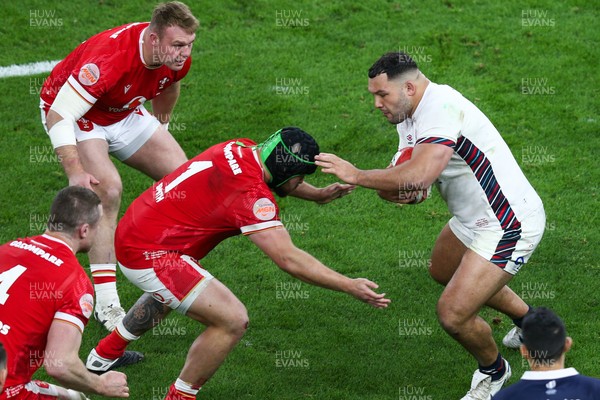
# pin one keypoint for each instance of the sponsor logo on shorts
(89, 74)
(519, 262)
(264, 209)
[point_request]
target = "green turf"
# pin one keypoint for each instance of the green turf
(325, 345)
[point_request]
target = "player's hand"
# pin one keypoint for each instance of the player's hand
(334, 191)
(362, 289)
(114, 384)
(83, 179)
(332, 164)
(398, 197)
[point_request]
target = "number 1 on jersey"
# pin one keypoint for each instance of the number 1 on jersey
(193, 168)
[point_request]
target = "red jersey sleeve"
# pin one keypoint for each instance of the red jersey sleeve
(95, 75)
(78, 300)
(256, 211)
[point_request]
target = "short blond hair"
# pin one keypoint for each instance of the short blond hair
(173, 13)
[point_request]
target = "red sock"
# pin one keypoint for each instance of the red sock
(185, 392)
(112, 346)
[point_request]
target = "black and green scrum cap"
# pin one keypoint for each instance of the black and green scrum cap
(287, 153)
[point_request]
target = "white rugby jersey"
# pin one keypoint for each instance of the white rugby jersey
(482, 183)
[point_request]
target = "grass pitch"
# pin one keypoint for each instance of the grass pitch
(261, 65)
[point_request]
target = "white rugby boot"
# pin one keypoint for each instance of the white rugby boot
(109, 316)
(99, 365)
(513, 338)
(482, 387)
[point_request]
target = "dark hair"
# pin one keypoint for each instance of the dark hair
(288, 153)
(2, 357)
(173, 13)
(72, 207)
(544, 334)
(393, 64)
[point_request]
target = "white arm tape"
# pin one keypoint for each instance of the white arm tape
(70, 106)
(62, 133)
(165, 125)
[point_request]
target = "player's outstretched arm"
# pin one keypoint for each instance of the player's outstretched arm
(427, 163)
(61, 361)
(324, 195)
(277, 244)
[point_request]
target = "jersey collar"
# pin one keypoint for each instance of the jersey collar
(141, 49)
(415, 115)
(55, 239)
(257, 159)
(545, 375)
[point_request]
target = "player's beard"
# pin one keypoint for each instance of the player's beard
(404, 108)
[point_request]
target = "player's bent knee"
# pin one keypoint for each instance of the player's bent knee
(110, 195)
(238, 323)
(450, 318)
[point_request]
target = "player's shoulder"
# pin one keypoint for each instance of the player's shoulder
(592, 382)
(50, 249)
(123, 32)
(114, 44)
(438, 94)
(245, 142)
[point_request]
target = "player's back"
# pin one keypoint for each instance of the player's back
(482, 176)
(38, 278)
(206, 200)
(568, 387)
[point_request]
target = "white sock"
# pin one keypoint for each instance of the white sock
(185, 387)
(105, 284)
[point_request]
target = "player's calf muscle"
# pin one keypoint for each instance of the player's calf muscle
(145, 314)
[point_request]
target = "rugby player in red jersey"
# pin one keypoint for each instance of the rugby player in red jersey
(46, 299)
(93, 106)
(224, 191)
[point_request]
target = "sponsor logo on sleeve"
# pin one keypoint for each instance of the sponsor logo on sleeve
(86, 302)
(264, 209)
(89, 74)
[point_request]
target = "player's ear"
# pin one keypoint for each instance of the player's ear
(568, 344)
(84, 231)
(411, 88)
(154, 39)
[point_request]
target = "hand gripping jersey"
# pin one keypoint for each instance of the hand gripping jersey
(482, 183)
(41, 281)
(108, 71)
(217, 194)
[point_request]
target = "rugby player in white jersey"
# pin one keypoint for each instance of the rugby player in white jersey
(498, 218)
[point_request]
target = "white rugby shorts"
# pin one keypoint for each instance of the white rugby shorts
(508, 249)
(124, 138)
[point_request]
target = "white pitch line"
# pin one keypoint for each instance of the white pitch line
(27, 69)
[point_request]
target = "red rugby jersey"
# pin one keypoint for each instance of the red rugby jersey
(40, 281)
(108, 71)
(217, 194)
